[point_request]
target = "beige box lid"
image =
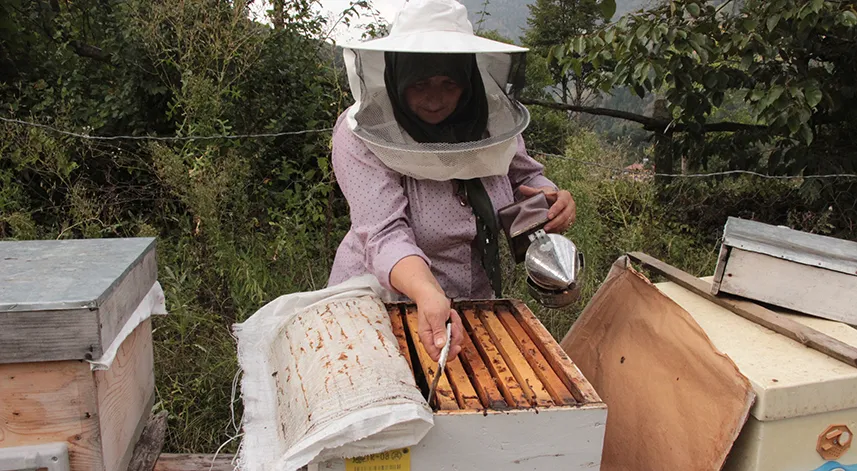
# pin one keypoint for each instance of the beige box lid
(790, 379)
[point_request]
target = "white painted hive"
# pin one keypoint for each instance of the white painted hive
(511, 400)
(800, 393)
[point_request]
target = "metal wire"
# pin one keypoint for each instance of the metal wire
(616, 170)
(164, 138)
(624, 171)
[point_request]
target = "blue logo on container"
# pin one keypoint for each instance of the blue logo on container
(834, 466)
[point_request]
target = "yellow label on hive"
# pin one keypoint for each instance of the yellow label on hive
(393, 460)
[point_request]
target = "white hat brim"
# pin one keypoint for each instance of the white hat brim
(436, 42)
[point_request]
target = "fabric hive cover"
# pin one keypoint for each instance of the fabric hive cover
(673, 400)
(323, 378)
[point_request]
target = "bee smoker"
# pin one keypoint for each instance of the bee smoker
(552, 261)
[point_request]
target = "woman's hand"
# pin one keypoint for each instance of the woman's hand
(413, 278)
(563, 210)
(433, 309)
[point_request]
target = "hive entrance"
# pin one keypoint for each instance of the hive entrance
(508, 360)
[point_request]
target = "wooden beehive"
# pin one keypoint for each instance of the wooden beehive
(62, 303)
(804, 272)
(511, 400)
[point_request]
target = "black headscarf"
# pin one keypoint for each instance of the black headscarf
(468, 122)
(470, 118)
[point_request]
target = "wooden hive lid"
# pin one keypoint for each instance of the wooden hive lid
(788, 244)
(509, 361)
(67, 299)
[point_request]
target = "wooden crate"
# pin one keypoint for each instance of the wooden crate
(511, 400)
(808, 273)
(62, 303)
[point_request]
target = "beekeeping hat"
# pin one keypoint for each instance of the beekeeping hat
(432, 27)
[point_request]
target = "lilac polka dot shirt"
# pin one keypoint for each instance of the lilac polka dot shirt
(394, 216)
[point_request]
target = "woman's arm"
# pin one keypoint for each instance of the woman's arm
(525, 170)
(377, 205)
(413, 278)
(378, 208)
(527, 178)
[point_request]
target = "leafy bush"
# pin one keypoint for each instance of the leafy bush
(614, 216)
(238, 221)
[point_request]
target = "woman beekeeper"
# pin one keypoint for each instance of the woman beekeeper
(429, 151)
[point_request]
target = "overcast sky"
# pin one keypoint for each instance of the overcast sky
(334, 8)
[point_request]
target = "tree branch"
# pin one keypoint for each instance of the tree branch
(87, 50)
(644, 120)
(79, 47)
(649, 124)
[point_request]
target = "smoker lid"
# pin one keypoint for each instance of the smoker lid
(65, 274)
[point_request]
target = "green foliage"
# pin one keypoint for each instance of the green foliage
(794, 71)
(239, 222)
(548, 131)
(607, 8)
(781, 72)
(551, 24)
(615, 216)
(706, 204)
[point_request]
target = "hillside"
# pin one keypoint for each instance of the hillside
(509, 17)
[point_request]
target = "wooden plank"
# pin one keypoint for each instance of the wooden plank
(753, 312)
(509, 386)
(483, 382)
(399, 331)
(125, 395)
(191, 462)
(811, 290)
(718, 270)
(518, 365)
(444, 396)
(149, 445)
(71, 335)
(464, 391)
(554, 385)
(120, 303)
(567, 371)
(51, 402)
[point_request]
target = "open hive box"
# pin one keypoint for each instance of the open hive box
(511, 400)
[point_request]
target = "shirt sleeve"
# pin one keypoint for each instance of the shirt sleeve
(525, 170)
(378, 205)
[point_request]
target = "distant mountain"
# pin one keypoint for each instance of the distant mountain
(509, 17)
